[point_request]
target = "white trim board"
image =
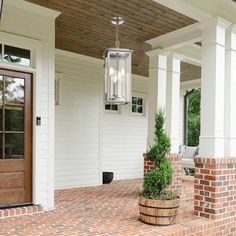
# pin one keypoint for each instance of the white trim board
(185, 85)
(203, 11)
(77, 56)
(185, 8)
(177, 38)
(33, 8)
(36, 48)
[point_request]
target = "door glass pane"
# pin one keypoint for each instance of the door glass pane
(139, 101)
(134, 108)
(1, 146)
(140, 109)
(14, 118)
(14, 147)
(134, 100)
(14, 90)
(1, 89)
(17, 55)
(1, 128)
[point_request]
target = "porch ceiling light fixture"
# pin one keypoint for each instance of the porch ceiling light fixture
(117, 63)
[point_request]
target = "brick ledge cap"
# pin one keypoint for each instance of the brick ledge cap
(212, 160)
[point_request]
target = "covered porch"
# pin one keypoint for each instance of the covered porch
(75, 137)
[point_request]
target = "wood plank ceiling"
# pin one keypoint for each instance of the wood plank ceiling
(84, 26)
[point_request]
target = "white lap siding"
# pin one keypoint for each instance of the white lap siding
(77, 123)
(88, 139)
(124, 137)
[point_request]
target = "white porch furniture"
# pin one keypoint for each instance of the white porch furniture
(188, 153)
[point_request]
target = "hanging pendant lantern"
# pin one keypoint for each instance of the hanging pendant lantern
(118, 88)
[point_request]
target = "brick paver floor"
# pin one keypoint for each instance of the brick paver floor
(104, 210)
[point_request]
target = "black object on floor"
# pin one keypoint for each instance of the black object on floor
(107, 177)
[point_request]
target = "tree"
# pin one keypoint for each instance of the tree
(194, 118)
(157, 180)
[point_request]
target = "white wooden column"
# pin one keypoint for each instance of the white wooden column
(156, 89)
(212, 88)
(172, 103)
(230, 92)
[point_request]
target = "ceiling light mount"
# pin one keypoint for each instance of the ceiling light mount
(117, 21)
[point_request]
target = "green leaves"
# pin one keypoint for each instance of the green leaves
(159, 123)
(157, 180)
(161, 146)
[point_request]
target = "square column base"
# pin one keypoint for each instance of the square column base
(215, 187)
(176, 162)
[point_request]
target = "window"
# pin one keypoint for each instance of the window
(112, 107)
(15, 55)
(138, 105)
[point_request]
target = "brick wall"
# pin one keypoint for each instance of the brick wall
(176, 161)
(215, 187)
(147, 164)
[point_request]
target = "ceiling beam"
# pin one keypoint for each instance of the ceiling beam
(177, 38)
(186, 8)
(36, 9)
(202, 11)
(191, 54)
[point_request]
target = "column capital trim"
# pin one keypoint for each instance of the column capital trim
(230, 44)
(156, 52)
(232, 28)
(214, 21)
(175, 55)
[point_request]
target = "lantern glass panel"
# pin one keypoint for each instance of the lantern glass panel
(118, 76)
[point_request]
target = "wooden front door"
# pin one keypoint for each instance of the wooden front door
(15, 138)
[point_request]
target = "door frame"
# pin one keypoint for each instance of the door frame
(35, 47)
(28, 136)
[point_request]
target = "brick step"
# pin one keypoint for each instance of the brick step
(201, 227)
(20, 211)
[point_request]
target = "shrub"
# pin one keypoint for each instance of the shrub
(157, 180)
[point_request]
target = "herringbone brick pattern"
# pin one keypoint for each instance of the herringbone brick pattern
(105, 210)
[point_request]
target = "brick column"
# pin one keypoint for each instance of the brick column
(176, 161)
(215, 187)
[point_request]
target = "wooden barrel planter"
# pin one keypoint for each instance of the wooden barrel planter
(158, 212)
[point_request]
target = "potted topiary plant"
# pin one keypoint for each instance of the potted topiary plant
(157, 204)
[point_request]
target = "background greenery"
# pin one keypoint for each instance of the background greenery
(193, 130)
